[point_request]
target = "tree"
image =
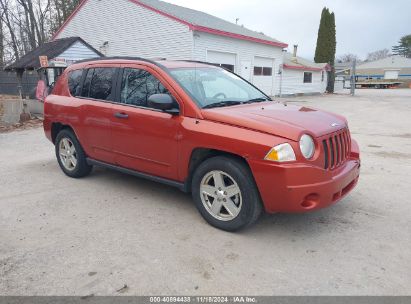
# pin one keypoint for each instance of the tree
(34, 26)
(404, 47)
(377, 55)
(7, 18)
(327, 44)
(1, 42)
(27, 24)
(348, 58)
(62, 9)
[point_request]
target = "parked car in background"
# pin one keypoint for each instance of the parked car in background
(204, 130)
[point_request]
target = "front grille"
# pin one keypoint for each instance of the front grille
(336, 149)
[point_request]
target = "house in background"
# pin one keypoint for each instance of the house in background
(343, 70)
(391, 68)
(302, 76)
(23, 76)
(157, 29)
(60, 54)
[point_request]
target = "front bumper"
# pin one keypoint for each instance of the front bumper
(296, 188)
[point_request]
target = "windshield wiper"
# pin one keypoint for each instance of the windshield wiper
(221, 104)
(260, 99)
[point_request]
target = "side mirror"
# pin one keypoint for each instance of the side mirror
(163, 102)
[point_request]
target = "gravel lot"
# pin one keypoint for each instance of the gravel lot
(60, 236)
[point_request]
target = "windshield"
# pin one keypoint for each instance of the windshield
(215, 87)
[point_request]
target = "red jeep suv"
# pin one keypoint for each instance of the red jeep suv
(204, 130)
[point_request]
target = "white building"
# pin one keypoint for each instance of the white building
(391, 68)
(301, 76)
(152, 29)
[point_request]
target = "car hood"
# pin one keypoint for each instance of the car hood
(288, 121)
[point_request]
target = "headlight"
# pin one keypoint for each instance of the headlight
(307, 146)
(281, 153)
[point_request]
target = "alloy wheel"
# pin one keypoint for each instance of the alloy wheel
(68, 154)
(221, 195)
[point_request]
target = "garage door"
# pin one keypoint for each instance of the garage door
(225, 60)
(391, 74)
(263, 77)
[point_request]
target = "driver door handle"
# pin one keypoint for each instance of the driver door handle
(121, 115)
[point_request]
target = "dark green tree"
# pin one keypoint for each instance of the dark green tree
(404, 47)
(327, 45)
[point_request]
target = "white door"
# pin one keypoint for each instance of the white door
(264, 73)
(391, 74)
(226, 60)
(245, 71)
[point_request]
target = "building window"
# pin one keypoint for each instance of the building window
(229, 67)
(263, 71)
(308, 77)
(267, 71)
(258, 71)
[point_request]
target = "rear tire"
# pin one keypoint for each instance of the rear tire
(225, 193)
(70, 155)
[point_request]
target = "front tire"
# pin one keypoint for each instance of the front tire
(225, 193)
(70, 155)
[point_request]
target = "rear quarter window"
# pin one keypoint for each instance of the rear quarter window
(74, 81)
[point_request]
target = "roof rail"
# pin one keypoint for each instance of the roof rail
(197, 61)
(116, 58)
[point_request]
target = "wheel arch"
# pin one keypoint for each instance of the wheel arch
(199, 155)
(57, 127)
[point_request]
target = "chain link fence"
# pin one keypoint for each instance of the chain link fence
(9, 84)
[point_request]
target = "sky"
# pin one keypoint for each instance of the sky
(362, 26)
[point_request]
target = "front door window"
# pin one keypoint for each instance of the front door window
(138, 85)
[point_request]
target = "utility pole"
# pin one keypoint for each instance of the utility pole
(353, 81)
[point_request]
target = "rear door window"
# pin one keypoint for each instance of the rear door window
(74, 82)
(99, 84)
(86, 85)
